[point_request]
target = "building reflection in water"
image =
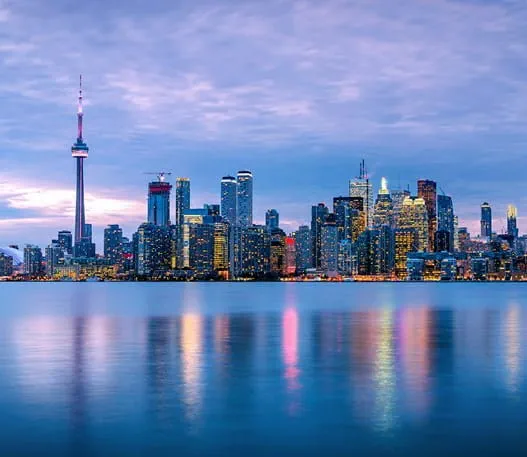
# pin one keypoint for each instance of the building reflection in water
(384, 372)
(414, 349)
(512, 334)
(191, 364)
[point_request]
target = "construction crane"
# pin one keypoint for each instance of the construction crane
(161, 175)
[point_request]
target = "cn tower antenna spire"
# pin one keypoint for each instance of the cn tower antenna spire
(79, 110)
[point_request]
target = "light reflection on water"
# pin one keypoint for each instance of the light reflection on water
(214, 368)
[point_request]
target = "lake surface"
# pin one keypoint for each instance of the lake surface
(105, 369)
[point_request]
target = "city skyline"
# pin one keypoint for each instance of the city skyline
(300, 118)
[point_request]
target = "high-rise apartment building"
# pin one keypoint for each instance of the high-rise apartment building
(343, 215)
(32, 260)
(245, 198)
(318, 217)
(304, 249)
(65, 240)
(152, 250)
(113, 244)
(229, 189)
(486, 220)
(329, 246)
(182, 198)
(512, 225)
(427, 190)
(445, 219)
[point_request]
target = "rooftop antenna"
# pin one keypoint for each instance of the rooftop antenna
(161, 175)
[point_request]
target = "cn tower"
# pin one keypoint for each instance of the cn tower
(79, 151)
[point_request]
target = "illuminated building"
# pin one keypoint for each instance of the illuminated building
(113, 244)
(486, 220)
(406, 241)
(347, 260)
(229, 189)
(479, 267)
(221, 248)
(415, 269)
(318, 217)
(159, 202)
(512, 215)
(398, 197)
(32, 260)
(182, 205)
(445, 218)
(342, 209)
(375, 251)
(256, 246)
(245, 199)
(329, 246)
(304, 249)
(200, 239)
(383, 211)
(54, 257)
(290, 256)
(426, 190)
(6, 265)
(151, 250)
(456, 234)
(272, 219)
(361, 187)
(463, 238)
(414, 215)
(448, 269)
(358, 217)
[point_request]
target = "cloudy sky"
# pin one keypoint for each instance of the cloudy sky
(296, 91)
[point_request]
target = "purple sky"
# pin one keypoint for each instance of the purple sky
(296, 91)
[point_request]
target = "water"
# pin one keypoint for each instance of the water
(134, 369)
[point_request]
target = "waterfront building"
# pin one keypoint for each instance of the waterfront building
(456, 234)
(415, 268)
(272, 219)
(182, 205)
(113, 244)
(229, 190)
(65, 240)
(303, 249)
(256, 246)
(54, 257)
(6, 265)
(383, 210)
(414, 215)
(448, 269)
(290, 256)
(512, 225)
(152, 250)
(406, 241)
(244, 198)
(221, 249)
(445, 218)
(199, 240)
(33, 261)
(277, 251)
(159, 201)
(480, 268)
(427, 190)
(486, 221)
(347, 259)
(318, 218)
(358, 217)
(362, 187)
(329, 246)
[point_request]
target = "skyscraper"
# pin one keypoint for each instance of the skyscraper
(406, 240)
(32, 260)
(414, 215)
(383, 211)
(398, 197)
(427, 190)
(318, 217)
(229, 189)
(79, 151)
(113, 244)
(159, 201)
(329, 246)
(362, 187)
(343, 215)
(512, 226)
(65, 240)
(304, 249)
(245, 198)
(182, 198)
(486, 220)
(272, 219)
(445, 219)
(151, 250)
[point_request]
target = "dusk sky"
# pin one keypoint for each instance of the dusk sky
(296, 91)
